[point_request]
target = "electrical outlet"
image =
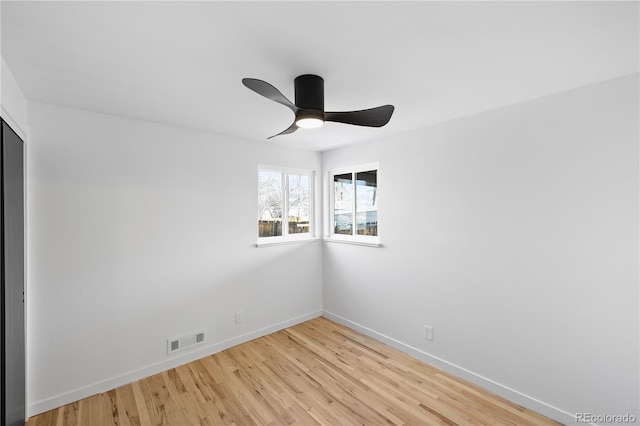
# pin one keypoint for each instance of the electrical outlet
(428, 332)
(239, 317)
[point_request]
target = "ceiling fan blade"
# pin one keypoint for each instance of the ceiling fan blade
(288, 130)
(268, 91)
(373, 117)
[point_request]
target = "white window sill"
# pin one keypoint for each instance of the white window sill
(286, 242)
(357, 242)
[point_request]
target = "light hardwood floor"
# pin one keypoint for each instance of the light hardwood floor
(317, 372)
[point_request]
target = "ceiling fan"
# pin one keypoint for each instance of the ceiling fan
(309, 105)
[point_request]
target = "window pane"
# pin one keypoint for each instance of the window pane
(299, 204)
(343, 204)
(270, 203)
(367, 203)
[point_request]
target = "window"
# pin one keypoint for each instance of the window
(354, 200)
(285, 204)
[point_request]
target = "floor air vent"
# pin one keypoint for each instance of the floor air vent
(184, 342)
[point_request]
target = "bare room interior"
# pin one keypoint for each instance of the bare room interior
(464, 220)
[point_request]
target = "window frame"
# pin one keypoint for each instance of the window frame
(353, 238)
(286, 237)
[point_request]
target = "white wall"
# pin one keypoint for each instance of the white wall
(13, 104)
(140, 232)
(514, 234)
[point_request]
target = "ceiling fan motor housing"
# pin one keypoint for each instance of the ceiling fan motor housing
(309, 92)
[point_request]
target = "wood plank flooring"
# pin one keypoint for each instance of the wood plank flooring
(314, 373)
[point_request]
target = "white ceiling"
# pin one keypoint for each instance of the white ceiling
(181, 63)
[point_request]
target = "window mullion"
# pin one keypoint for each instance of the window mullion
(354, 225)
(285, 207)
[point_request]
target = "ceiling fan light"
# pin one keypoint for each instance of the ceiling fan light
(309, 118)
(309, 123)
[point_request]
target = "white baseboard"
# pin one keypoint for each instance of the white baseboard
(488, 384)
(131, 376)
